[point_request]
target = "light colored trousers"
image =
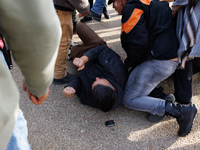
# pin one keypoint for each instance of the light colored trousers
(67, 32)
(18, 140)
(142, 80)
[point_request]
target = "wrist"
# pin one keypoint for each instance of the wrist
(84, 59)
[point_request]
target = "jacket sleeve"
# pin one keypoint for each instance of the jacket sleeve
(32, 32)
(93, 54)
(82, 6)
(76, 84)
(134, 35)
(180, 2)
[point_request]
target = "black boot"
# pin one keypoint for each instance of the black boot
(158, 93)
(184, 115)
(86, 19)
(105, 12)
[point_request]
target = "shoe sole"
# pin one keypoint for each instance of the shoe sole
(193, 113)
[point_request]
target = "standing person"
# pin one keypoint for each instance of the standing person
(102, 72)
(19, 138)
(149, 39)
(64, 10)
(32, 33)
(188, 32)
(99, 8)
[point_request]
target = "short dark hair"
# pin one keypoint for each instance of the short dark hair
(104, 96)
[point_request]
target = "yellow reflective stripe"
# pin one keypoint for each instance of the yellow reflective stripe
(132, 21)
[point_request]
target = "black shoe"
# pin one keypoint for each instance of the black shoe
(185, 121)
(184, 115)
(86, 18)
(158, 93)
(65, 80)
(94, 16)
(105, 12)
(155, 118)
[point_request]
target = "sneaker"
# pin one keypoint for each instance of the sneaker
(105, 12)
(94, 16)
(86, 18)
(65, 80)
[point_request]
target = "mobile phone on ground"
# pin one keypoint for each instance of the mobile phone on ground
(110, 123)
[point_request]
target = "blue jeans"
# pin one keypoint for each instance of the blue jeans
(98, 6)
(19, 136)
(18, 139)
(142, 80)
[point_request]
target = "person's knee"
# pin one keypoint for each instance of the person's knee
(126, 102)
(79, 26)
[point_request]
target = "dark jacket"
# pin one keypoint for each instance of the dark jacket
(103, 63)
(148, 31)
(82, 6)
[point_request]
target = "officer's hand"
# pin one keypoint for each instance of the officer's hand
(69, 92)
(35, 100)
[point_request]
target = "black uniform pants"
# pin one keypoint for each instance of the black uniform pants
(183, 81)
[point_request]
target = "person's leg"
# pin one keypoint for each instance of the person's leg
(91, 3)
(142, 80)
(183, 84)
(74, 21)
(105, 12)
(196, 65)
(98, 6)
(89, 38)
(19, 136)
(96, 11)
(67, 32)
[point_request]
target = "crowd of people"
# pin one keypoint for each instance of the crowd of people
(159, 41)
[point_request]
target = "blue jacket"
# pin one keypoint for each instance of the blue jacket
(147, 31)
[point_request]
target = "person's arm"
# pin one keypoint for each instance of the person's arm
(80, 62)
(69, 92)
(82, 6)
(180, 2)
(92, 54)
(177, 4)
(134, 35)
(72, 87)
(33, 35)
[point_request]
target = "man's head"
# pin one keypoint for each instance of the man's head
(104, 94)
(118, 5)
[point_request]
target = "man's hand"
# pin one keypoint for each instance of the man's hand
(69, 92)
(83, 15)
(33, 98)
(80, 62)
(175, 10)
(123, 59)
